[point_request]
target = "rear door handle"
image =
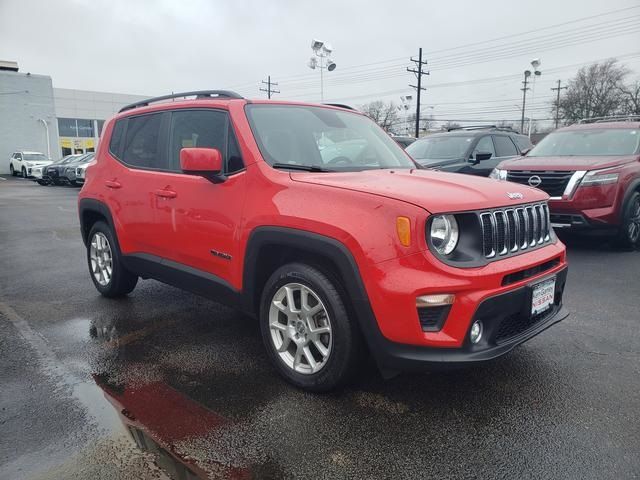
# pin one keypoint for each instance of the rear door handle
(166, 193)
(113, 184)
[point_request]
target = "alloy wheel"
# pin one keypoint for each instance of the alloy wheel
(633, 228)
(300, 328)
(101, 259)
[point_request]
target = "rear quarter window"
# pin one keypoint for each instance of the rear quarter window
(117, 138)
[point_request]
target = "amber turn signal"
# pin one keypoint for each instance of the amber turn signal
(403, 227)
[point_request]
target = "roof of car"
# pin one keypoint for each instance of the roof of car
(210, 98)
(30, 152)
(601, 125)
(471, 133)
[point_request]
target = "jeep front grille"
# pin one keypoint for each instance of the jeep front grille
(510, 230)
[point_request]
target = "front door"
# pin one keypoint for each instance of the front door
(203, 217)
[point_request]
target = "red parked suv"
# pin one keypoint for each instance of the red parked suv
(592, 173)
(313, 220)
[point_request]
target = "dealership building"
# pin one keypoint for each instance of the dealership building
(35, 116)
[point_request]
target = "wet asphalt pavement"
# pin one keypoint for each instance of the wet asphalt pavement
(167, 384)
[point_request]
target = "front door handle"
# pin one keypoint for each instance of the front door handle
(166, 193)
(113, 184)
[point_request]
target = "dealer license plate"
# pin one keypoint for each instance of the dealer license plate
(543, 295)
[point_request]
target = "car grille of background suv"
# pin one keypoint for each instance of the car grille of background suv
(510, 230)
(553, 183)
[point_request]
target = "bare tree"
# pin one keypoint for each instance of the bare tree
(449, 125)
(595, 91)
(631, 98)
(384, 114)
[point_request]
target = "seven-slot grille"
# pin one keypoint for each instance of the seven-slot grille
(510, 230)
(551, 182)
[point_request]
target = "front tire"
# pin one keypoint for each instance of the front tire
(12, 170)
(42, 182)
(306, 329)
(629, 234)
(108, 273)
(24, 172)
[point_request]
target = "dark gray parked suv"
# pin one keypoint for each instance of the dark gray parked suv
(471, 150)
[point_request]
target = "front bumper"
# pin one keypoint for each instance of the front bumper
(507, 324)
(594, 207)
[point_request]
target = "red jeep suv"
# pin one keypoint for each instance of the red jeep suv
(313, 220)
(592, 173)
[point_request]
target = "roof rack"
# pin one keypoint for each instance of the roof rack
(483, 127)
(341, 105)
(197, 94)
(611, 118)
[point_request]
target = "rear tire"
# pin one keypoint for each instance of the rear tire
(314, 351)
(108, 273)
(629, 234)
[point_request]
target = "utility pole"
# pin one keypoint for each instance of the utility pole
(527, 74)
(269, 88)
(557, 89)
(419, 73)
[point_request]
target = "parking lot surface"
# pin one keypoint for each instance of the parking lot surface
(189, 380)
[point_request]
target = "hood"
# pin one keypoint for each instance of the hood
(39, 163)
(437, 162)
(566, 163)
(432, 190)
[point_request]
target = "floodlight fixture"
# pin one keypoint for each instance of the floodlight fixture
(316, 44)
(331, 65)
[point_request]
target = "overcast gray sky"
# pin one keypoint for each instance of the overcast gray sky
(154, 47)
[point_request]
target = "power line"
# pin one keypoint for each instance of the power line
(450, 58)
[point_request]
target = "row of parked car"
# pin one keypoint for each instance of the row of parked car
(68, 170)
(590, 170)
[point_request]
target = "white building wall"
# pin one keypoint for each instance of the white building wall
(24, 100)
(91, 105)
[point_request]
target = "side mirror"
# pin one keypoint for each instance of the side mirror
(480, 156)
(205, 162)
(525, 151)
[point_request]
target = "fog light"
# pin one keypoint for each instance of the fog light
(476, 331)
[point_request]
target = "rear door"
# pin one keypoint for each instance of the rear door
(134, 185)
(203, 216)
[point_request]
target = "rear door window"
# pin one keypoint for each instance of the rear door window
(504, 146)
(143, 145)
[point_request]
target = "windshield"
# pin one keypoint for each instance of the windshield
(325, 138)
(34, 156)
(582, 143)
(440, 148)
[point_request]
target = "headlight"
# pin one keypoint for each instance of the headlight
(599, 177)
(444, 234)
(28, 164)
(498, 174)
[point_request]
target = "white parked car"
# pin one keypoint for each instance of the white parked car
(22, 163)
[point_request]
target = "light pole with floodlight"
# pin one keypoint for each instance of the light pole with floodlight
(535, 63)
(322, 51)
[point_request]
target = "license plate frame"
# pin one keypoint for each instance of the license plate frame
(542, 295)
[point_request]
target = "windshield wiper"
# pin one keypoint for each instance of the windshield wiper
(305, 168)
